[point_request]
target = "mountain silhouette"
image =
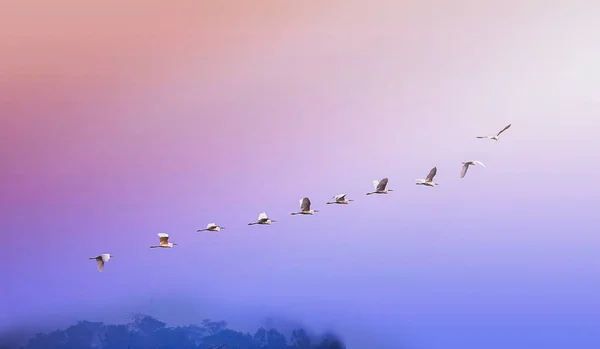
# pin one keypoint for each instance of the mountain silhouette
(147, 332)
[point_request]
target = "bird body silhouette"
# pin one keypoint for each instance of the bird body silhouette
(466, 164)
(163, 241)
(305, 207)
(496, 137)
(428, 181)
(101, 259)
(380, 187)
(262, 219)
(211, 227)
(339, 199)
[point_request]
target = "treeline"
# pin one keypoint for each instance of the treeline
(146, 332)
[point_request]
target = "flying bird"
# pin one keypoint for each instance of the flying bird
(339, 199)
(163, 241)
(429, 180)
(262, 219)
(380, 187)
(305, 207)
(101, 259)
(212, 227)
(466, 165)
(497, 135)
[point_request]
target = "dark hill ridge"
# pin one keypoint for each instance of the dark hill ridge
(147, 332)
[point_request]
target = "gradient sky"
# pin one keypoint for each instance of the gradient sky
(121, 119)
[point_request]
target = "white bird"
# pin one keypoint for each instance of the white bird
(339, 199)
(101, 259)
(380, 187)
(212, 227)
(305, 207)
(497, 135)
(163, 241)
(466, 165)
(428, 181)
(262, 219)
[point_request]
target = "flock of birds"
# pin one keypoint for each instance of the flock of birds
(379, 187)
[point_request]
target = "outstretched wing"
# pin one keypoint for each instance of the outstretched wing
(431, 174)
(340, 197)
(479, 163)
(163, 238)
(305, 204)
(262, 216)
(105, 257)
(463, 172)
(100, 265)
(382, 184)
(504, 129)
(375, 184)
(211, 225)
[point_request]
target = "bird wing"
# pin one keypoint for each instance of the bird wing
(262, 216)
(431, 174)
(100, 265)
(504, 129)
(463, 172)
(163, 235)
(340, 197)
(375, 184)
(211, 225)
(382, 184)
(105, 256)
(305, 204)
(479, 163)
(163, 240)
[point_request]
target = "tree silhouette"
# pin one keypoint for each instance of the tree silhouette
(115, 336)
(53, 340)
(84, 334)
(147, 332)
(300, 339)
(213, 327)
(330, 341)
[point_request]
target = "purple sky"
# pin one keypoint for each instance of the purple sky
(114, 131)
